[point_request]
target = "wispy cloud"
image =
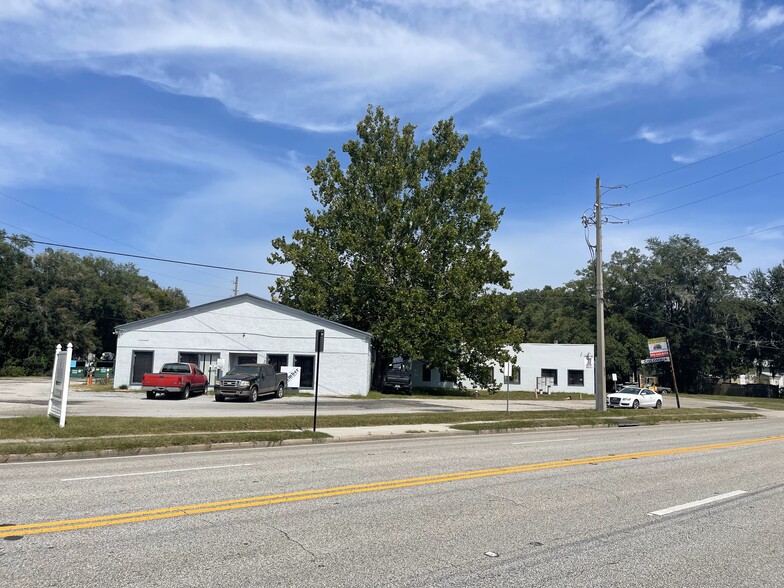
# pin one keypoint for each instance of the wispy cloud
(316, 64)
(767, 18)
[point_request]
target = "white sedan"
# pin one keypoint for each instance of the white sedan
(634, 397)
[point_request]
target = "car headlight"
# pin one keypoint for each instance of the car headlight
(245, 384)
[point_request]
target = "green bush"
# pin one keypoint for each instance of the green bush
(12, 371)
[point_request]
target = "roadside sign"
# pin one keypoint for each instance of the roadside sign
(655, 360)
(658, 347)
(58, 393)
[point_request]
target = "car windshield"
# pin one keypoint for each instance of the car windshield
(243, 370)
(629, 390)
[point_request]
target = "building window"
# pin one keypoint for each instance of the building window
(515, 379)
(575, 378)
(552, 375)
(306, 363)
(427, 373)
(185, 357)
(141, 363)
(277, 360)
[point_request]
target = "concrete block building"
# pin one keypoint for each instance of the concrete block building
(547, 367)
(247, 329)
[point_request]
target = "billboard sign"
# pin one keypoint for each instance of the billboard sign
(658, 348)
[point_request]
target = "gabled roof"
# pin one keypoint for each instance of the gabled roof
(234, 300)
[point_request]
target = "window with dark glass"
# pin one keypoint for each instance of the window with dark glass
(306, 364)
(277, 360)
(427, 373)
(552, 374)
(575, 378)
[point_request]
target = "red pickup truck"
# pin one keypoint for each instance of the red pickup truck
(175, 379)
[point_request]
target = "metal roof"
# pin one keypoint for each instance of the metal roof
(217, 304)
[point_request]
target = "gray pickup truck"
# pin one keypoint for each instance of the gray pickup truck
(249, 382)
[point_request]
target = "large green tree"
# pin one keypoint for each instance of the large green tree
(399, 246)
(766, 297)
(58, 297)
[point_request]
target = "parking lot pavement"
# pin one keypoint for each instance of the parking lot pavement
(29, 396)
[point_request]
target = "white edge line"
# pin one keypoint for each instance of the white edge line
(672, 509)
(239, 465)
(543, 441)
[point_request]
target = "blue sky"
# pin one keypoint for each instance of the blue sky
(181, 129)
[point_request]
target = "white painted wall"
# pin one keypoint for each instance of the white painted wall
(532, 358)
(245, 327)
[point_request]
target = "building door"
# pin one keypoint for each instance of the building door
(141, 363)
(206, 362)
(306, 363)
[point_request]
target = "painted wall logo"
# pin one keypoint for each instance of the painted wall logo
(658, 348)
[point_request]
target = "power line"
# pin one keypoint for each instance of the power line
(163, 259)
(705, 179)
(757, 140)
(65, 220)
(745, 235)
(706, 197)
(706, 333)
(26, 232)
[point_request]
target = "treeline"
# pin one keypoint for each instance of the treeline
(719, 324)
(56, 297)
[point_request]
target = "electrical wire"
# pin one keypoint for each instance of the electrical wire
(745, 235)
(703, 179)
(757, 140)
(706, 197)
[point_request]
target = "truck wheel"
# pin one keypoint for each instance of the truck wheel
(150, 395)
(279, 392)
(254, 394)
(186, 392)
(219, 398)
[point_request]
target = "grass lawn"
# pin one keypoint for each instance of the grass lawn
(41, 434)
(769, 403)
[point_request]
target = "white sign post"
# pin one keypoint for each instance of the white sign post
(61, 376)
(507, 377)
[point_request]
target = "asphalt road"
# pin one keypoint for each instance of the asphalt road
(547, 509)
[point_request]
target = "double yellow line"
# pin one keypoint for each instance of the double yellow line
(255, 501)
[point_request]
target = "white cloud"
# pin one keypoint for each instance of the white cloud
(317, 64)
(655, 137)
(766, 19)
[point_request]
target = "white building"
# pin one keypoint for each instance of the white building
(247, 329)
(546, 367)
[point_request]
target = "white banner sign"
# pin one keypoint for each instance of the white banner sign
(292, 374)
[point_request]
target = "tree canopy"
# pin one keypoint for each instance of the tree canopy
(58, 297)
(718, 324)
(399, 247)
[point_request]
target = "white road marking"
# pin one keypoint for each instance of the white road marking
(239, 465)
(672, 509)
(543, 441)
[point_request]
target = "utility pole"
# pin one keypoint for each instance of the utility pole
(236, 284)
(601, 379)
